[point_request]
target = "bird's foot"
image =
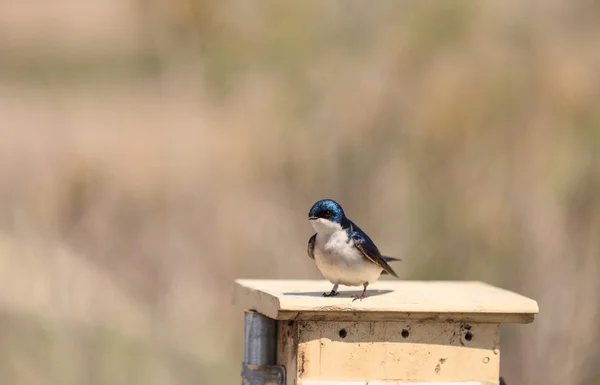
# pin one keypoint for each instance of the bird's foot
(332, 293)
(363, 294)
(359, 297)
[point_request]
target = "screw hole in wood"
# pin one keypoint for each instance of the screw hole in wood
(468, 336)
(343, 333)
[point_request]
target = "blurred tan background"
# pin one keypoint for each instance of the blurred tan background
(153, 151)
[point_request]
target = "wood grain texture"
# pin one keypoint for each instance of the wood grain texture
(387, 300)
(287, 349)
(380, 351)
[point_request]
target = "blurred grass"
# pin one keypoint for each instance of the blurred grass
(68, 69)
(137, 182)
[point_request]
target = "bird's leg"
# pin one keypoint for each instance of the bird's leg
(332, 293)
(360, 297)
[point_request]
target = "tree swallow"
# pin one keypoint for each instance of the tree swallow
(344, 254)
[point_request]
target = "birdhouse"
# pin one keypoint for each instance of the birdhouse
(403, 332)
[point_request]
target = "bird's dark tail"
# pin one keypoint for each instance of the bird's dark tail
(389, 259)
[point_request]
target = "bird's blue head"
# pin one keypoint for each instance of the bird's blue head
(326, 210)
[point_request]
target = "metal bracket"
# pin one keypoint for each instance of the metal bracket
(263, 374)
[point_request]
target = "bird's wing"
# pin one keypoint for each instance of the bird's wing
(311, 246)
(370, 251)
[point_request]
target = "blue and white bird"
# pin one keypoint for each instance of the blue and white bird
(344, 254)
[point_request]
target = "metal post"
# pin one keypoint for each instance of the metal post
(260, 351)
(260, 339)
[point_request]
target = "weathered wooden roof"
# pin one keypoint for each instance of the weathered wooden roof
(387, 300)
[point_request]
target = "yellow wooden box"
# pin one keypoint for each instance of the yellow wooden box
(403, 332)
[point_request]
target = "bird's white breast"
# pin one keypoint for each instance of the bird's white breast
(339, 261)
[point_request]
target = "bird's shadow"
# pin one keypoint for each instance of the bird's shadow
(342, 294)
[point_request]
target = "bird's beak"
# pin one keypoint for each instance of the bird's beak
(312, 218)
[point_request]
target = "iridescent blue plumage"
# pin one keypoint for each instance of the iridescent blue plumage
(327, 209)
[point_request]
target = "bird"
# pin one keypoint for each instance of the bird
(343, 253)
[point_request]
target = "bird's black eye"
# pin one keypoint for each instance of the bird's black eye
(328, 213)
